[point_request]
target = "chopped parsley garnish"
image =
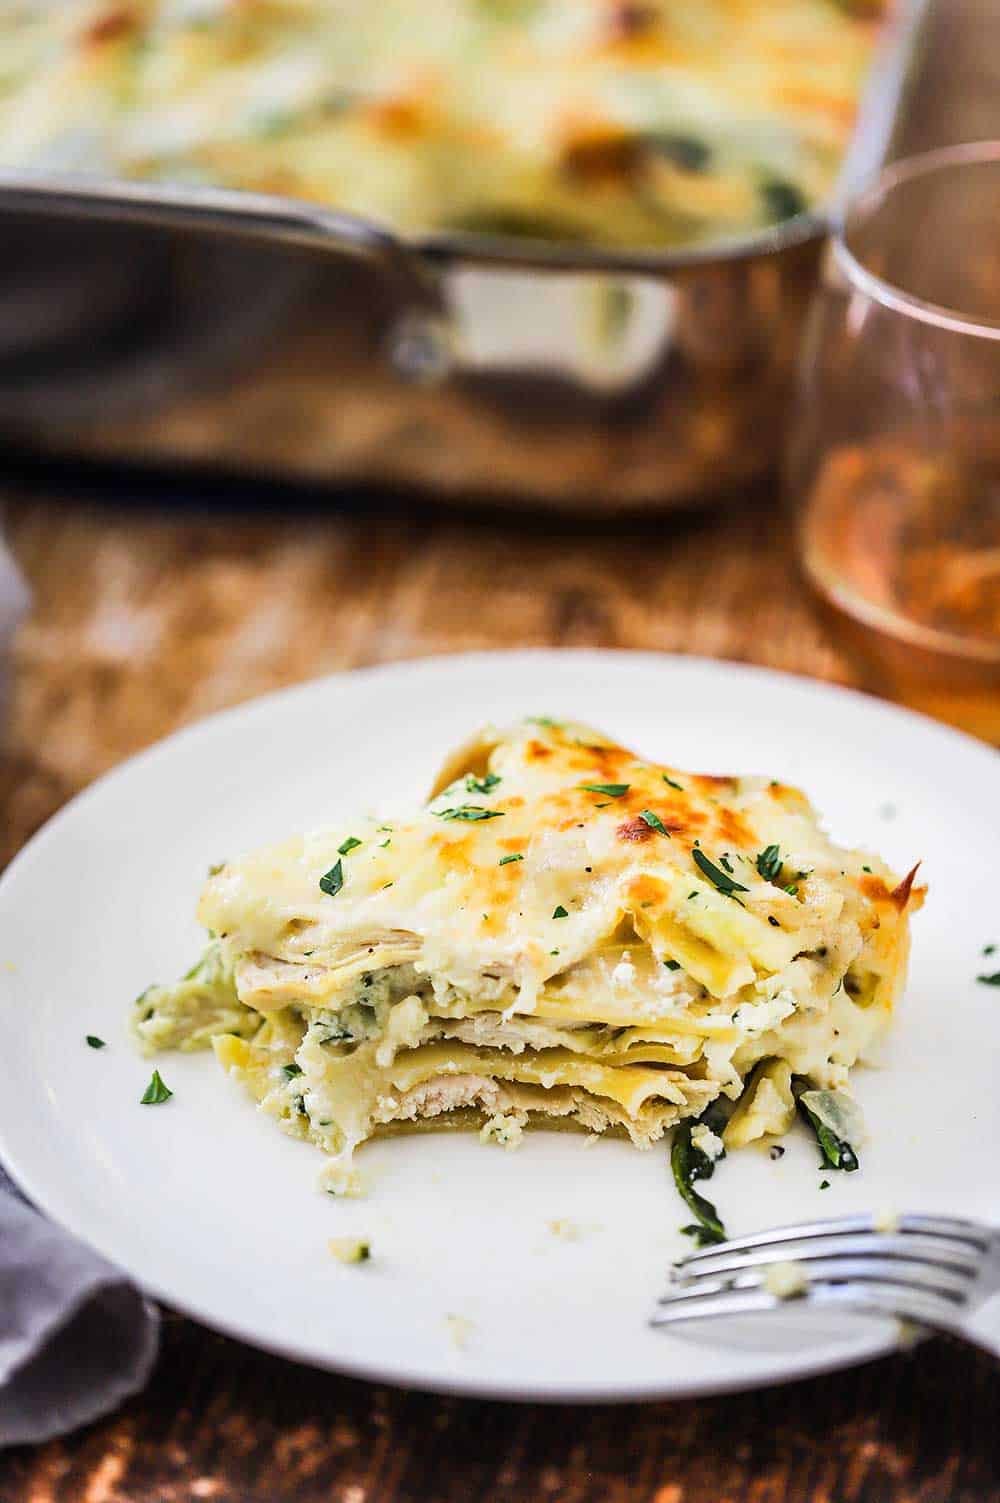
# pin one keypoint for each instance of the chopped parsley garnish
(726, 864)
(672, 965)
(689, 1164)
(722, 880)
(216, 867)
(155, 1092)
(613, 790)
(560, 912)
(769, 863)
(470, 812)
(332, 881)
(990, 980)
(836, 1152)
(691, 895)
(553, 952)
(989, 949)
(506, 860)
(482, 785)
(95, 1042)
(350, 844)
(383, 843)
(671, 784)
(654, 822)
(792, 889)
(867, 869)
(290, 1071)
(824, 1184)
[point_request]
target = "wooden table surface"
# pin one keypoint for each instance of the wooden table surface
(148, 616)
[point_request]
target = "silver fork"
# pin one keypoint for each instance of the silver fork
(937, 1271)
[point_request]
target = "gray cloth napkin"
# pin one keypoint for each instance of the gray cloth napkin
(76, 1338)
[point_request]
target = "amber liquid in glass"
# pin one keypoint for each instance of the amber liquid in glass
(901, 546)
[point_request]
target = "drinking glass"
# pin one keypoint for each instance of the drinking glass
(894, 458)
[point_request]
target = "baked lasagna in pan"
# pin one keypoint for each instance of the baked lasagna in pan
(567, 935)
(617, 122)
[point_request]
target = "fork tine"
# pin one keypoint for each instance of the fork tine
(943, 1227)
(711, 1306)
(874, 1299)
(928, 1251)
(949, 1284)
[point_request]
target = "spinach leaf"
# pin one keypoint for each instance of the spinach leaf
(837, 1152)
(689, 153)
(782, 200)
(689, 1164)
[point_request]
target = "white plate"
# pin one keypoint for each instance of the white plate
(213, 1210)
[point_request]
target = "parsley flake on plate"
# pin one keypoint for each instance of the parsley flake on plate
(156, 1092)
(95, 1042)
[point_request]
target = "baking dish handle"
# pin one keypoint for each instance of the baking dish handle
(601, 331)
(418, 340)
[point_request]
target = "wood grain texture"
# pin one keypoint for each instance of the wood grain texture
(147, 618)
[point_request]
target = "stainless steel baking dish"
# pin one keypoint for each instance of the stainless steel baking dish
(271, 337)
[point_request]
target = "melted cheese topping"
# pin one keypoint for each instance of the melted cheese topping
(657, 122)
(564, 930)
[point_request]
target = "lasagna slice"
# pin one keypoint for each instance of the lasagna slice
(566, 934)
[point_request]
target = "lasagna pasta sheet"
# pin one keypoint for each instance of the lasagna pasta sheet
(566, 933)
